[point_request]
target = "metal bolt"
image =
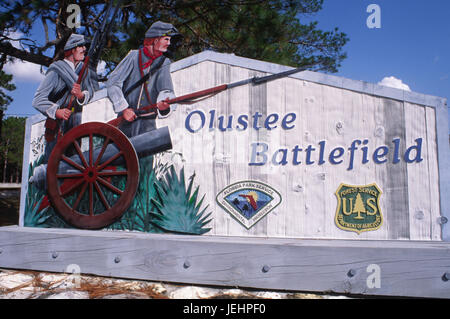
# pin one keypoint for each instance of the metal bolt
(117, 260)
(446, 276)
(442, 220)
(419, 215)
(265, 268)
(351, 273)
(186, 264)
(379, 131)
(54, 255)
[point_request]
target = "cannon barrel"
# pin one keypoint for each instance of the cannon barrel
(146, 144)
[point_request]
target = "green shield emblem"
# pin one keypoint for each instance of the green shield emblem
(358, 208)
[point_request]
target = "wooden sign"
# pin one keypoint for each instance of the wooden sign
(272, 176)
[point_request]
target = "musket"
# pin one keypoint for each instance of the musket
(99, 40)
(97, 44)
(190, 98)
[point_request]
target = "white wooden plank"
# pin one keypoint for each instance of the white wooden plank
(395, 189)
(278, 220)
(380, 172)
(98, 111)
(293, 204)
(418, 180)
(433, 173)
(258, 103)
(313, 130)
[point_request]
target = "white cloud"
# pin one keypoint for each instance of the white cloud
(29, 72)
(24, 71)
(393, 82)
(14, 35)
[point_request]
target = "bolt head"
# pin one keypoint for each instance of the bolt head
(117, 260)
(351, 273)
(54, 255)
(446, 276)
(442, 220)
(265, 268)
(186, 264)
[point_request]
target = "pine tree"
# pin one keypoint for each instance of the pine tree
(5, 100)
(268, 30)
(359, 207)
(11, 149)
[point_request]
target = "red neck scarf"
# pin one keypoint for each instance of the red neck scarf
(150, 57)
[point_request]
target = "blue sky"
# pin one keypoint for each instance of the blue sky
(412, 45)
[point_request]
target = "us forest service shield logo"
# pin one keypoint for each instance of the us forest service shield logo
(358, 208)
(248, 201)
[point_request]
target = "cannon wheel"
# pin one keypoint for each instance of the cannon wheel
(86, 196)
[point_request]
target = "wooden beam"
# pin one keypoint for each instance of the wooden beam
(389, 268)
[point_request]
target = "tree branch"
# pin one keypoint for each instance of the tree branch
(8, 49)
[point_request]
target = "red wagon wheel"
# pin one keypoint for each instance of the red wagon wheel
(92, 175)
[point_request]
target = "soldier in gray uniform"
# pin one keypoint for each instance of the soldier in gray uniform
(59, 84)
(128, 95)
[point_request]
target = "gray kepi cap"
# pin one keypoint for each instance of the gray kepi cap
(161, 29)
(74, 41)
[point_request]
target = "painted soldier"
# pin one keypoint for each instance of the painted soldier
(59, 85)
(143, 78)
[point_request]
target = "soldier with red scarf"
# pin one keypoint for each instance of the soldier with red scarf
(128, 92)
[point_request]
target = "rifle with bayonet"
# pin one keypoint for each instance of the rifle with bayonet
(100, 37)
(193, 97)
(52, 127)
(98, 42)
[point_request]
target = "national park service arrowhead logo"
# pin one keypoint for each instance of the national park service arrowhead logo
(358, 208)
(248, 201)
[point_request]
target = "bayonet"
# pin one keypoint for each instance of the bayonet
(100, 36)
(193, 97)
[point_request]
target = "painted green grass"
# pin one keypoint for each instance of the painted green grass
(162, 203)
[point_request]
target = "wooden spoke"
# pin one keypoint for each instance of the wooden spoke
(102, 151)
(91, 149)
(69, 161)
(75, 175)
(72, 187)
(102, 196)
(77, 201)
(80, 153)
(88, 180)
(91, 199)
(110, 186)
(112, 159)
(113, 173)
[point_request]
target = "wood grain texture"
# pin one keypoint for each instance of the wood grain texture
(433, 173)
(218, 158)
(406, 268)
(324, 113)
